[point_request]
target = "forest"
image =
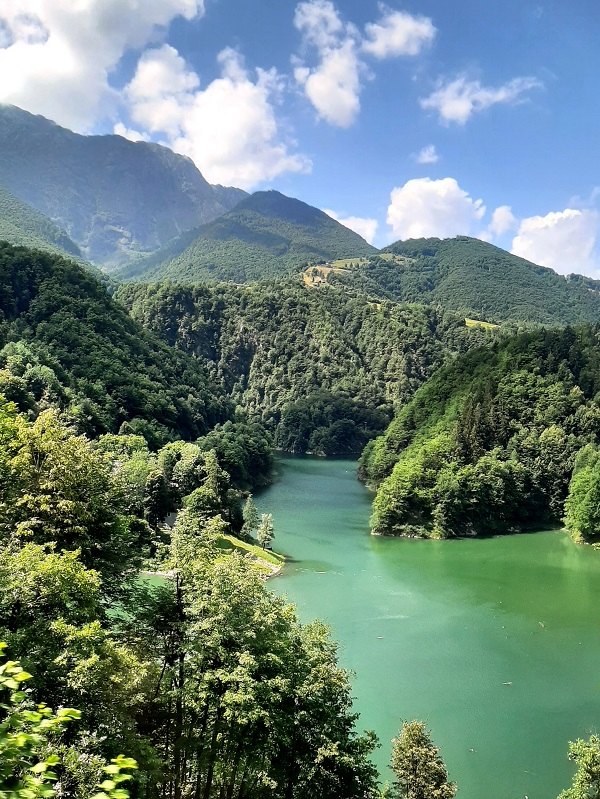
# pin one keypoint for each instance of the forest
(497, 441)
(322, 370)
(150, 660)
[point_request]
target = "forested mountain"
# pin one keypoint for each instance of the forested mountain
(490, 443)
(21, 224)
(265, 235)
(66, 343)
(476, 279)
(321, 369)
(115, 198)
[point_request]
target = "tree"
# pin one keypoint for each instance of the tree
(250, 516)
(265, 533)
(420, 772)
(586, 782)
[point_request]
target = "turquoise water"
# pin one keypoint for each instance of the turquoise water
(494, 643)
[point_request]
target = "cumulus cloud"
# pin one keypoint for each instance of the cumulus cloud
(424, 207)
(367, 228)
(457, 100)
(333, 83)
(229, 128)
(398, 33)
(56, 55)
(503, 220)
(334, 87)
(428, 155)
(565, 240)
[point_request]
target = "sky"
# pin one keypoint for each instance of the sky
(400, 119)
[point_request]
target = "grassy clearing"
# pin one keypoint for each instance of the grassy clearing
(347, 263)
(479, 323)
(265, 560)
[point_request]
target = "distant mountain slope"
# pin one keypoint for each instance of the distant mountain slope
(64, 342)
(114, 197)
(265, 235)
(21, 224)
(477, 279)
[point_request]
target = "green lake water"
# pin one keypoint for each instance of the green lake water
(494, 643)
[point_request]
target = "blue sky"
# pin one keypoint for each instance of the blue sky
(404, 119)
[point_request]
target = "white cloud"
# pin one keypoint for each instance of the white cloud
(320, 23)
(424, 207)
(57, 55)
(565, 240)
(334, 87)
(428, 155)
(457, 100)
(129, 133)
(367, 228)
(229, 128)
(334, 82)
(503, 220)
(398, 33)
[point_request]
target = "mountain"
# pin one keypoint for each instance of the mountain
(115, 198)
(476, 279)
(321, 370)
(489, 444)
(64, 342)
(265, 235)
(22, 224)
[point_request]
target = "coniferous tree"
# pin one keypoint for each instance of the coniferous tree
(420, 772)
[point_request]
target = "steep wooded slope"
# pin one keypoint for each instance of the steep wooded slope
(266, 235)
(488, 445)
(321, 369)
(64, 342)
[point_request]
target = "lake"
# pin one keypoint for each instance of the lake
(493, 643)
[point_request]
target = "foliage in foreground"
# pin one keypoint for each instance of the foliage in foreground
(29, 734)
(208, 680)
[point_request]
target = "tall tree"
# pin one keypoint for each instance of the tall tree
(265, 532)
(420, 772)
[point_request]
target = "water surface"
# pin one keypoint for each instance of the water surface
(494, 643)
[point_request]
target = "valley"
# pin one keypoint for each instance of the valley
(170, 347)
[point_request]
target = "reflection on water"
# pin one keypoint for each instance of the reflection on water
(494, 643)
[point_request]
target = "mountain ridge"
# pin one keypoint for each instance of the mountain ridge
(265, 235)
(102, 190)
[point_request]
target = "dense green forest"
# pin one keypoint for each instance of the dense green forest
(265, 235)
(64, 342)
(321, 369)
(476, 279)
(21, 224)
(490, 443)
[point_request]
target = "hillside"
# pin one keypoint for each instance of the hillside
(265, 235)
(65, 343)
(21, 224)
(475, 279)
(489, 444)
(322, 370)
(115, 198)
